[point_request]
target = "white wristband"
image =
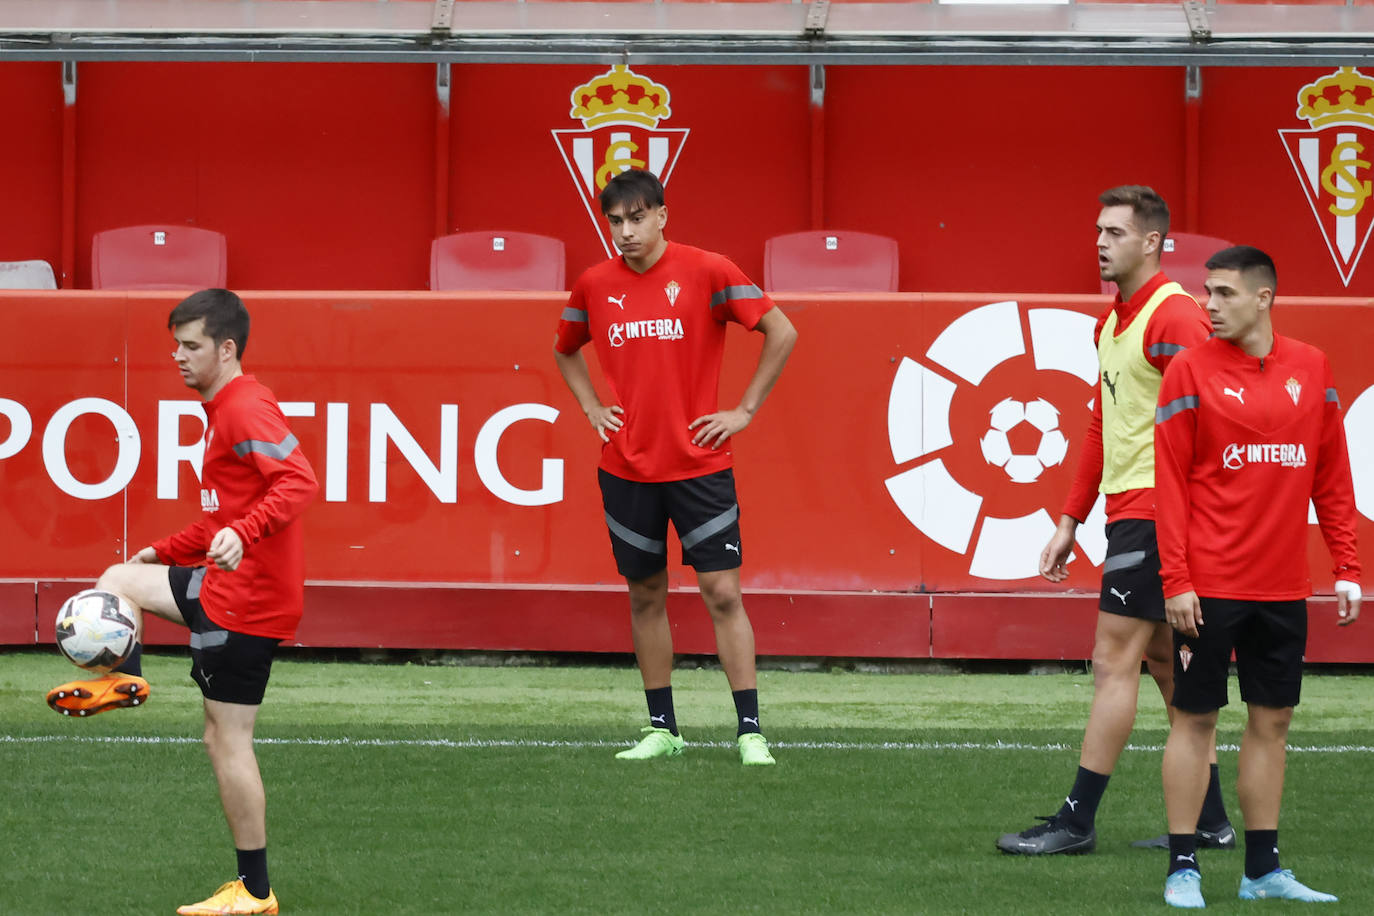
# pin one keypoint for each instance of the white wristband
(1350, 589)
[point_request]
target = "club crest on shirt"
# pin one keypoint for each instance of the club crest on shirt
(671, 291)
(1293, 388)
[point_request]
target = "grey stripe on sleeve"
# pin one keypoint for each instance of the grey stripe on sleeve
(1331, 396)
(1177, 405)
(277, 450)
(1166, 349)
(572, 314)
(736, 292)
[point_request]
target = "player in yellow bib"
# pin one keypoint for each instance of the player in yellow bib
(1151, 321)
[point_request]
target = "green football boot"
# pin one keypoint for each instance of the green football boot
(753, 750)
(657, 742)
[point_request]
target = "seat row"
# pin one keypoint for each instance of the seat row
(186, 257)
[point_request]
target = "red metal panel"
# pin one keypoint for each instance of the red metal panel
(320, 175)
(399, 399)
(1013, 626)
(31, 171)
(17, 615)
(61, 348)
(1327, 642)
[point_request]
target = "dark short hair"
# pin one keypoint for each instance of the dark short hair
(1256, 266)
(1149, 209)
(633, 189)
(225, 316)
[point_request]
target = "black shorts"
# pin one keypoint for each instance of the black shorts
(230, 667)
(1131, 585)
(704, 513)
(1269, 638)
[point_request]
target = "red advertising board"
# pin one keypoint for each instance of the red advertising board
(917, 449)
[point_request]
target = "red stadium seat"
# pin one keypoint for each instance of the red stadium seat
(158, 257)
(27, 275)
(1182, 260)
(496, 260)
(829, 260)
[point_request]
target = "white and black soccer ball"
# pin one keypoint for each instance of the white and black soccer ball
(96, 630)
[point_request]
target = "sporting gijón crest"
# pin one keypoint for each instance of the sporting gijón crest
(1333, 161)
(620, 112)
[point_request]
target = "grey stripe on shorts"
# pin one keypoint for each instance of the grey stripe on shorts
(713, 526)
(193, 584)
(635, 539)
(1127, 560)
(209, 640)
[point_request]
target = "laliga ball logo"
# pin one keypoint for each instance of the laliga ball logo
(996, 444)
(976, 454)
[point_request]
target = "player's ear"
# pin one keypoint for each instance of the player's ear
(1152, 240)
(662, 216)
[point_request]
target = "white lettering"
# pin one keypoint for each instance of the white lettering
(21, 427)
(489, 469)
(55, 448)
(441, 480)
(171, 451)
(335, 452)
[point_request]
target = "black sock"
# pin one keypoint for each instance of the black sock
(1261, 853)
(747, 708)
(1079, 810)
(253, 871)
(134, 663)
(661, 708)
(1182, 852)
(1213, 815)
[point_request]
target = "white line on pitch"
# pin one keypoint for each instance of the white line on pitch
(479, 743)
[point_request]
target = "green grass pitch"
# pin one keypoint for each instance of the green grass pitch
(423, 789)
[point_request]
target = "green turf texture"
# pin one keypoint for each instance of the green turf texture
(455, 826)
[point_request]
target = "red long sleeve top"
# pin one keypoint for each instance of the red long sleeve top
(1177, 324)
(255, 480)
(1241, 445)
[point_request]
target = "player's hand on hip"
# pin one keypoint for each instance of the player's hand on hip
(604, 419)
(1054, 559)
(226, 549)
(1184, 613)
(146, 555)
(1348, 599)
(714, 428)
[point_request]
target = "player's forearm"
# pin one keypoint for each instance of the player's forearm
(779, 337)
(578, 378)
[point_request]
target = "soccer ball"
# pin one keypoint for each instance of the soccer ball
(95, 630)
(1005, 416)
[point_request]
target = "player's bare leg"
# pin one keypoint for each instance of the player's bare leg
(1117, 649)
(1159, 661)
(653, 642)
(652, 635)
(229, 744)
(720, 590)
(1263, 758)
(144, 587)
(1191, 738)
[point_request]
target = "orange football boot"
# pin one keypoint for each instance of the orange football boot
(88, 698)
(231, 898)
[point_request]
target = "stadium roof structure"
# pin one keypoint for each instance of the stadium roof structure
(1130, 34)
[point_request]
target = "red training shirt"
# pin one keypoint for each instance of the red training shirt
(1241, 445)
(660, 337)
(1177, 324)
(255, 480)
